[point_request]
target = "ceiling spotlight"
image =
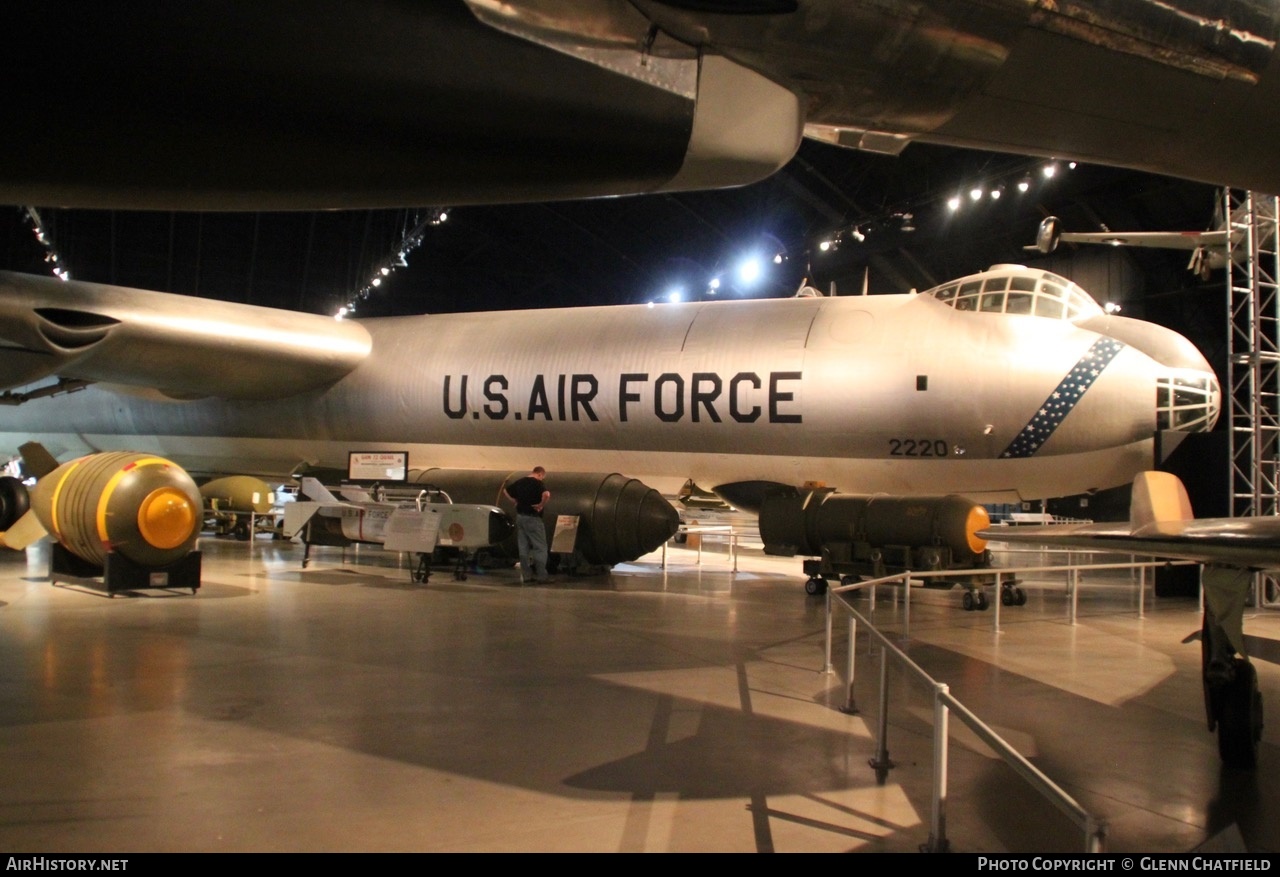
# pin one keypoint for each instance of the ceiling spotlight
(908, 223)
(857, 235)
(749, 270)
(385, 271)
(953, 203)
(1111, 307)
(377, 281)
(777, 259)
(824, 246)
(714, 284)
(675, 293)
(1024, 184)
(1049, 170)
(975, 194)
(996, 193)
(1071, 165)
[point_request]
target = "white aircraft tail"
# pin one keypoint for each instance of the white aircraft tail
(317, 492)
(1158, 497)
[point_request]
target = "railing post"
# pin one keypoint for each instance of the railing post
(880, 763)
(938, 842)
(906, 605)
(826, 664)
(998, 601)
(850, 707)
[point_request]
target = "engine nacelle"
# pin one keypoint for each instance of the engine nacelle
(619, 518)
(144, 507)
(1048, 235)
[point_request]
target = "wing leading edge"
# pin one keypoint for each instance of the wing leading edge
(90, 332)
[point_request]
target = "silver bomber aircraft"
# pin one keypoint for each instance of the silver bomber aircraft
(1010, 384)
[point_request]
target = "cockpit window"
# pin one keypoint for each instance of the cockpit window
(1024, 292)
(1049, 307)
(1019, 303)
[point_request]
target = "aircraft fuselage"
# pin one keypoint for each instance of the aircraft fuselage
(904, 394)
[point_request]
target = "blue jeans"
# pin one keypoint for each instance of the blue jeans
(531, 537)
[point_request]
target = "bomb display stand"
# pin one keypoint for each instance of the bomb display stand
(122, 574)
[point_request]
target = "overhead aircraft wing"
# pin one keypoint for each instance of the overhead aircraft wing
(152, 341)
(1168, 240)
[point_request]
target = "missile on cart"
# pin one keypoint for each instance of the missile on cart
(455, 525)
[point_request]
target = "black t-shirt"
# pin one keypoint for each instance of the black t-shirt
(527, 492)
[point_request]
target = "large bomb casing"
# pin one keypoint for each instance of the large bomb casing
(144, 507)
(238, 493)
(619, 518)
(872, 533)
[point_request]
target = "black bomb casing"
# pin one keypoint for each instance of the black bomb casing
(142, 506)
(937, 532)
(620, 518)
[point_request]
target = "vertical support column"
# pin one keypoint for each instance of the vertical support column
(1253, 352)
(1253, 355)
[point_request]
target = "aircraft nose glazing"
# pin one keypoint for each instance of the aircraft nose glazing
(1187, 400)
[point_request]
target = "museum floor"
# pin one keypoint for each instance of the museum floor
(344, 707)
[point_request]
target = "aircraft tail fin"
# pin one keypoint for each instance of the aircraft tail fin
(37, 462)
(1158, 497)
(26, 530)
(316, 491)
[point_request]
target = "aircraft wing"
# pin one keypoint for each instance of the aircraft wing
(368, 103)
(1167, 240)
(1244, 542)
(1161, 524)
(150, 341)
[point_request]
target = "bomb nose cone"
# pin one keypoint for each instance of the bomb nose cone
(656, 522)
(625, 519)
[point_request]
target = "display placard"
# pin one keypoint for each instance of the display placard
(378, 466)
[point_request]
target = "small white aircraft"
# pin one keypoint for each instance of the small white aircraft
(1209, 249)
(1161, 524)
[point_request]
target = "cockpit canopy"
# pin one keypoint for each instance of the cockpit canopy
(1013, 289)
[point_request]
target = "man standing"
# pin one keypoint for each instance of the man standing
(531, 534)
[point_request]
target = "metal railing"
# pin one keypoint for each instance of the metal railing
(944, 704)
(1071, 570)
(1094, 830)
(726, 532)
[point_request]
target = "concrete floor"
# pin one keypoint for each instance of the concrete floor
(343, 707)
